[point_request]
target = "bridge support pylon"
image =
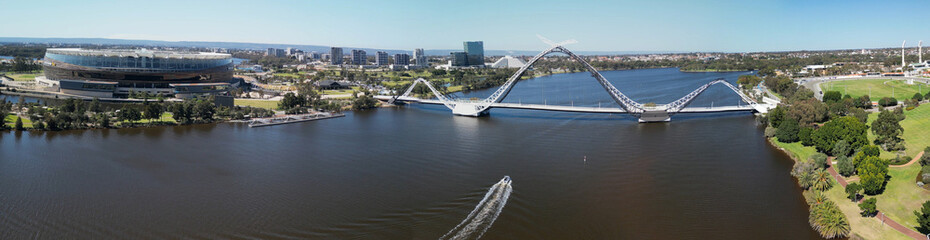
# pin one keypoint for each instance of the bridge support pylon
(469, 109)
(659, 115)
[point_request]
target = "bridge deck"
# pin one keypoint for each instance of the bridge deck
(559, 108)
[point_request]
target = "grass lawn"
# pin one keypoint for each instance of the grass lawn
(290, 75)
(165, 117)
(867, 228)
(915, 125)
(268, 104)
(799, 151)
(10, 120)
(902, 196)
(23, 76)
(337, 92)
(880, 88)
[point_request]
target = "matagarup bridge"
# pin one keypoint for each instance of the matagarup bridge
(657, 113)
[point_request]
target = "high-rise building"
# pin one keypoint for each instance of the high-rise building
(419, 57)
(335, 56)
(381, 58)
(359, 57)
(291, 51)
(270, 52)
(401, 59)
(459, 59)
(475, 52)
(314, 55)
(279, 52)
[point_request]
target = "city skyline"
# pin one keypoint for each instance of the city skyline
(729, 26)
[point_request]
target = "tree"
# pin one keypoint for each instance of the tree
(291, 101)
(872, 174)
(843, 128)
(832, 96)
(19, 124)
(887, 130)
(845, 166)
(95, 105)
(205, 110)
(364, 102)
(868, 208)
(841, 148)
(787, 131)
(807, 112)
(129, 114)
(805, 136)
(923, 218)
(180, 115)
(103, 120)
(822, 180)
(918, 97)
(153, 111)
(852, 191)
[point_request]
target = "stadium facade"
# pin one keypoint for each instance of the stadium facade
(109, 73)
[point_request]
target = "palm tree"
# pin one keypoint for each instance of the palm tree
(822, 180)
(827, 219)
(815, 197)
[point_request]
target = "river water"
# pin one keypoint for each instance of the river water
(416, 172)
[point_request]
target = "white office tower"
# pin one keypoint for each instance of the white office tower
(420, 57)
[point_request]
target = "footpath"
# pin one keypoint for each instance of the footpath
(891, 223)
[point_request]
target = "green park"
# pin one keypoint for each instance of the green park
(876, 88)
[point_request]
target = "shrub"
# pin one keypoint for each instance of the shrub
(852, 191)
(925, 174)
(770, 132)
(925, 159)
(845, 166)
(918, 97)
(887, 102)
(868, 207)
(819, 160)
(923, 218)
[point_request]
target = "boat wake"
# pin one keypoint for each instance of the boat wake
(481, 219)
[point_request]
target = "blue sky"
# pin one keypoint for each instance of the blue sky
(733, 26)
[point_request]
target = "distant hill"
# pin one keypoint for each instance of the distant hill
(260, 46)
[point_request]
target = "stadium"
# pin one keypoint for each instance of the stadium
(116, 73)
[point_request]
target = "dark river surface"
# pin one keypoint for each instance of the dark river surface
(416, 172)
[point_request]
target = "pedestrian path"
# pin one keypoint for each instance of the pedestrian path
(880, 217)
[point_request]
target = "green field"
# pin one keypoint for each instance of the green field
(337, 92)
(800, 152)
(23, 76)
(10, 120)
(879, 88)
(290, 75)
(268, 104)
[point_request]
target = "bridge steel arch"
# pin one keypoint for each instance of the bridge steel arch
(480, 107)
(682, 102)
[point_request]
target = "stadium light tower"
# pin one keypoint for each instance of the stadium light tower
(902, 55)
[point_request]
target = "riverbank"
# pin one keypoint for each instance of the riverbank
(712, 70)
(862, 227)
(901, 195)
